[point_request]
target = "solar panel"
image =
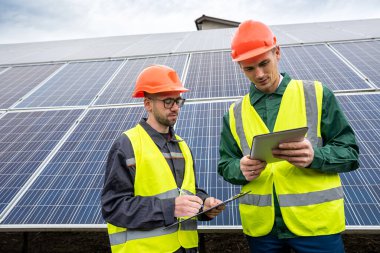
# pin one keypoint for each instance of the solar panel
(97, 48)
(18, 81)
(361, 187)
(212, 39)
(76, 84)
(26, 139)
(318, 62)
(155, 44)
(365, 56)
(120, 90)
(212, 75)
(301, 33)
(3, 69)
(68, 189)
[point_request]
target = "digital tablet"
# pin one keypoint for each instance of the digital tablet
(263, 144)
(239, 195)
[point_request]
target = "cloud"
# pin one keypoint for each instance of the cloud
(40, 20)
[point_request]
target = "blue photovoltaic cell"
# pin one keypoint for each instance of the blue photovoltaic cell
(318, 62)
(18, 81)
(120, 90)
(365, 56)
(76, 84)
(200, 126)
(26, 139)
(68, 189)
(215, 75)
(362, 186)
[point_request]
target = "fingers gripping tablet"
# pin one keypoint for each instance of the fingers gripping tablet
(263, 144)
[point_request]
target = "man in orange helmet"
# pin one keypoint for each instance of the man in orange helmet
(298, 202)
(150, 178)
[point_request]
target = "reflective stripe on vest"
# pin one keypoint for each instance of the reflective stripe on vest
(310, 198)
(239, 128)
(132, 234)
(124, 236)
(305, 199)
(311, 112)
(171, 155)
(256, 200)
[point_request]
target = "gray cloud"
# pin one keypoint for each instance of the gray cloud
(41, 20)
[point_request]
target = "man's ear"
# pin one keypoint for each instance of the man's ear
(278, 53)
(148, 104)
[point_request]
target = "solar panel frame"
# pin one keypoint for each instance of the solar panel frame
(3, 69)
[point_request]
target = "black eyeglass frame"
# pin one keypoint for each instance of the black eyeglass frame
(169, 102)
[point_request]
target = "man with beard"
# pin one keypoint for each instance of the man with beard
(150, 177)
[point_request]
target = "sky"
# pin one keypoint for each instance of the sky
(49, 20)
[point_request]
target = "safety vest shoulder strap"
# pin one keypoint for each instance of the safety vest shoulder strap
(312, 92)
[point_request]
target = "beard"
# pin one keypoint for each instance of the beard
(164, 120)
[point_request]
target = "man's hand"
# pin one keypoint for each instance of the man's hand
(210, 202)
(187, 205)
(250, 168)
(298, 153)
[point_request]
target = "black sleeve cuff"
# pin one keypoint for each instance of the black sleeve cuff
(168, 206)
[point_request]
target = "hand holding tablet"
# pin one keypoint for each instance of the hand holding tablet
(262, 145)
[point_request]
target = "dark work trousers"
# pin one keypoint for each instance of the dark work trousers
(305, 244)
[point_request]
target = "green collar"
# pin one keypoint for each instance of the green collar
(256, 94)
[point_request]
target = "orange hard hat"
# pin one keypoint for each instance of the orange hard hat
(251, 38)
(155, 79)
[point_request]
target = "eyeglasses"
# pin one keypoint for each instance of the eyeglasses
(169, 102)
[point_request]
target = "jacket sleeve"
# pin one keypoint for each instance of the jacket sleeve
(230, 155)
(339, 152)
(120, 206)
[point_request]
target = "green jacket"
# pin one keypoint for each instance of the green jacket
(339, 152)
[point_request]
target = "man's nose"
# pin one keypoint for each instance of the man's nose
(174, 107)
(259, 73)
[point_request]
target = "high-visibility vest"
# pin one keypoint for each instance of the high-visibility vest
(155, 178)
(311, 202)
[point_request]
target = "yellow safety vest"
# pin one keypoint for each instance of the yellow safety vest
(311, 202)
(155, 178)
